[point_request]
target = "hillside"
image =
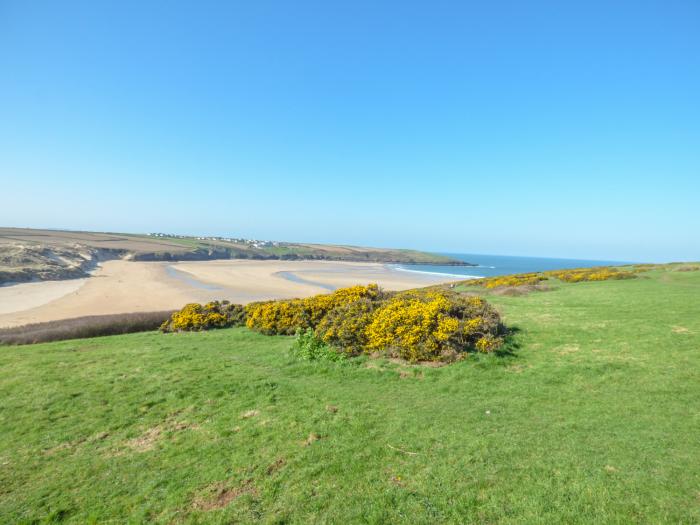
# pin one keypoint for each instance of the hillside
(27, 254)
(591, 417)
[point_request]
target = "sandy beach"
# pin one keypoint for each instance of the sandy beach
(126, 286)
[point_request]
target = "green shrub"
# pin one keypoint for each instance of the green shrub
(309, 347)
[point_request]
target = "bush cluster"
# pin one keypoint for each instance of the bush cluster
(600, 273)
(417, 325)
(519, 279)
(215, 314)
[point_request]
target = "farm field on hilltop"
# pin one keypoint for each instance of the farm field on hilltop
(36, 255)
(590, 416)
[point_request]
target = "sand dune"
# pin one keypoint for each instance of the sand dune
(126, 286)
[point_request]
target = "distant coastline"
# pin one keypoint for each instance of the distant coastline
(481, 265)
(28, 255)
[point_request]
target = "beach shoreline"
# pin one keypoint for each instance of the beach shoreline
(119, 286)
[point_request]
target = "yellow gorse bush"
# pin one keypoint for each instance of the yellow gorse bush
(285, 317)
(601, 273)
(345, 326)
(519, 279)
(416, 329)
(195, 316)
(430, 325)
(414, 325)
(276, 317)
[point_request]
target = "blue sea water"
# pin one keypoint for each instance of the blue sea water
(491, 265)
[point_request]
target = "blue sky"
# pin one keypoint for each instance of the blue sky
(566, 129)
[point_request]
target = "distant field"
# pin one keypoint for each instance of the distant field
(593, 418)
(109, 241)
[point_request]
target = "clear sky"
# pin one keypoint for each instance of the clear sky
(566, 129)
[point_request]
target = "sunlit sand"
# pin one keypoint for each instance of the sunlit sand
(125, 286)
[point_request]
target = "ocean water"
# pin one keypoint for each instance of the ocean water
(491, 265)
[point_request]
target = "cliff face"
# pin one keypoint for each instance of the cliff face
(34, 262)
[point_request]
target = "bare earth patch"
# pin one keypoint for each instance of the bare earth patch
(517, 369)
(220, 495)
(567, 349)
(249, 414)
(680, 330)
(150, 437)
(313, 437)
(427, 364)
(274, 467)
(73, 444)
(145, 441)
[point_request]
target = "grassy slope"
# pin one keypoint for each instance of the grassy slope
(594, 420)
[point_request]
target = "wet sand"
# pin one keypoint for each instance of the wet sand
(24, 296)
(126, 286)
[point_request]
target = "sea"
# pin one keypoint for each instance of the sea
(492, 265)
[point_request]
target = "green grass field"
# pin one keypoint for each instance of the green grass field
(594, 418)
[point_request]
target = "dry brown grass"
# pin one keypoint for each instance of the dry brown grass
(514, 291)
(687, 268)
(82, 327)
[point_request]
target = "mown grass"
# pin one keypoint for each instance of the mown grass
(594, 418)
